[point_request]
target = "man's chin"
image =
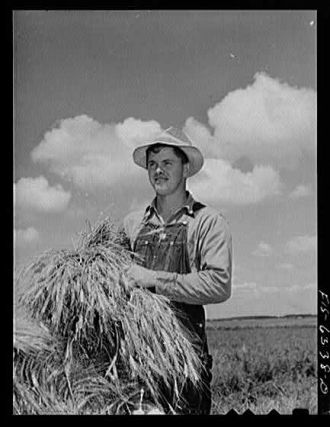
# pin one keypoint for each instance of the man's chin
(161, 190)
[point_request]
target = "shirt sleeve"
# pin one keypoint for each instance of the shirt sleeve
(129, 226)
(212, 283)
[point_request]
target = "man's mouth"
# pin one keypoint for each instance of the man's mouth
(160, 179)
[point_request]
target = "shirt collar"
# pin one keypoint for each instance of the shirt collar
(189, 207)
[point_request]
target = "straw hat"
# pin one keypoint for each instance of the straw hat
(173, 138)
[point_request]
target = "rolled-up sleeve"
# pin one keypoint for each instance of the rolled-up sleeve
(211, 284)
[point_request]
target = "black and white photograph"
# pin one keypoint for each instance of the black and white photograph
(165, 213)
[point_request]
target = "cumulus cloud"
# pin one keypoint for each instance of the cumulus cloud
(263, 250)
(301, 191)
(286, 266)
(253, 287)
(310, 286)
(268, 300)
(91, 154)
(288, 289)
(269, 121)
(295, 288)
(94, 155)
(134, 131)
(202, 138)
(36, 194)
(246, 286)
(28, 236)
(218, 181)
(267, 124)
(270, 289)
(301, 244)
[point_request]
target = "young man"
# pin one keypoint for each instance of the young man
(184, 246)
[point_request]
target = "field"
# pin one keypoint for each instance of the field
(263, 364)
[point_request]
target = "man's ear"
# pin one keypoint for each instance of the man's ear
(186, 169)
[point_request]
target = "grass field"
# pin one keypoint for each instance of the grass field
(263, 364)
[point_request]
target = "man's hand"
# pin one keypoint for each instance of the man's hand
(141, 277)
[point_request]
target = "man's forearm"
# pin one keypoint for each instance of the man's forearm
(203, 287)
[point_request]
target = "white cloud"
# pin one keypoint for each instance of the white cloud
(36, 194)
(301, 191)
(270, 289)
(258, 289)
(269, 122)
(247, 286)
(286, 266)
(92, 154)
(269, 301)
(288, 289)
(292, 288)
(134, 131)
(202, 138)
(263, 250)
(26, 237)
(301, 244)
(219, 182)
(244, 288)
(310, 286)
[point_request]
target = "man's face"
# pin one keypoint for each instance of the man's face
(166, 171)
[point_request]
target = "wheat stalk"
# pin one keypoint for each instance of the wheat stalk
(116, 335)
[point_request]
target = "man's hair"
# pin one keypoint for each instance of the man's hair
(155, 148)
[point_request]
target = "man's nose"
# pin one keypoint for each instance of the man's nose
(158, 170)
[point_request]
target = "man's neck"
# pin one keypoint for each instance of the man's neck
(168, 205)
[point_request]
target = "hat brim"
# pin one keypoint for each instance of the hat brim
(193, 154)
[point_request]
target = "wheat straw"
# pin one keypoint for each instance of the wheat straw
(120, 339)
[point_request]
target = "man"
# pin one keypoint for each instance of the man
(184, 248)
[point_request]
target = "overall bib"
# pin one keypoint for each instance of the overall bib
(165, 248)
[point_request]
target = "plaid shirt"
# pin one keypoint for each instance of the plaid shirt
(209, 246)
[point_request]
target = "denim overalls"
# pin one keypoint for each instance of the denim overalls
(165, 248)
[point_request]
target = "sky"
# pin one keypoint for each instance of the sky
(89, 86)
